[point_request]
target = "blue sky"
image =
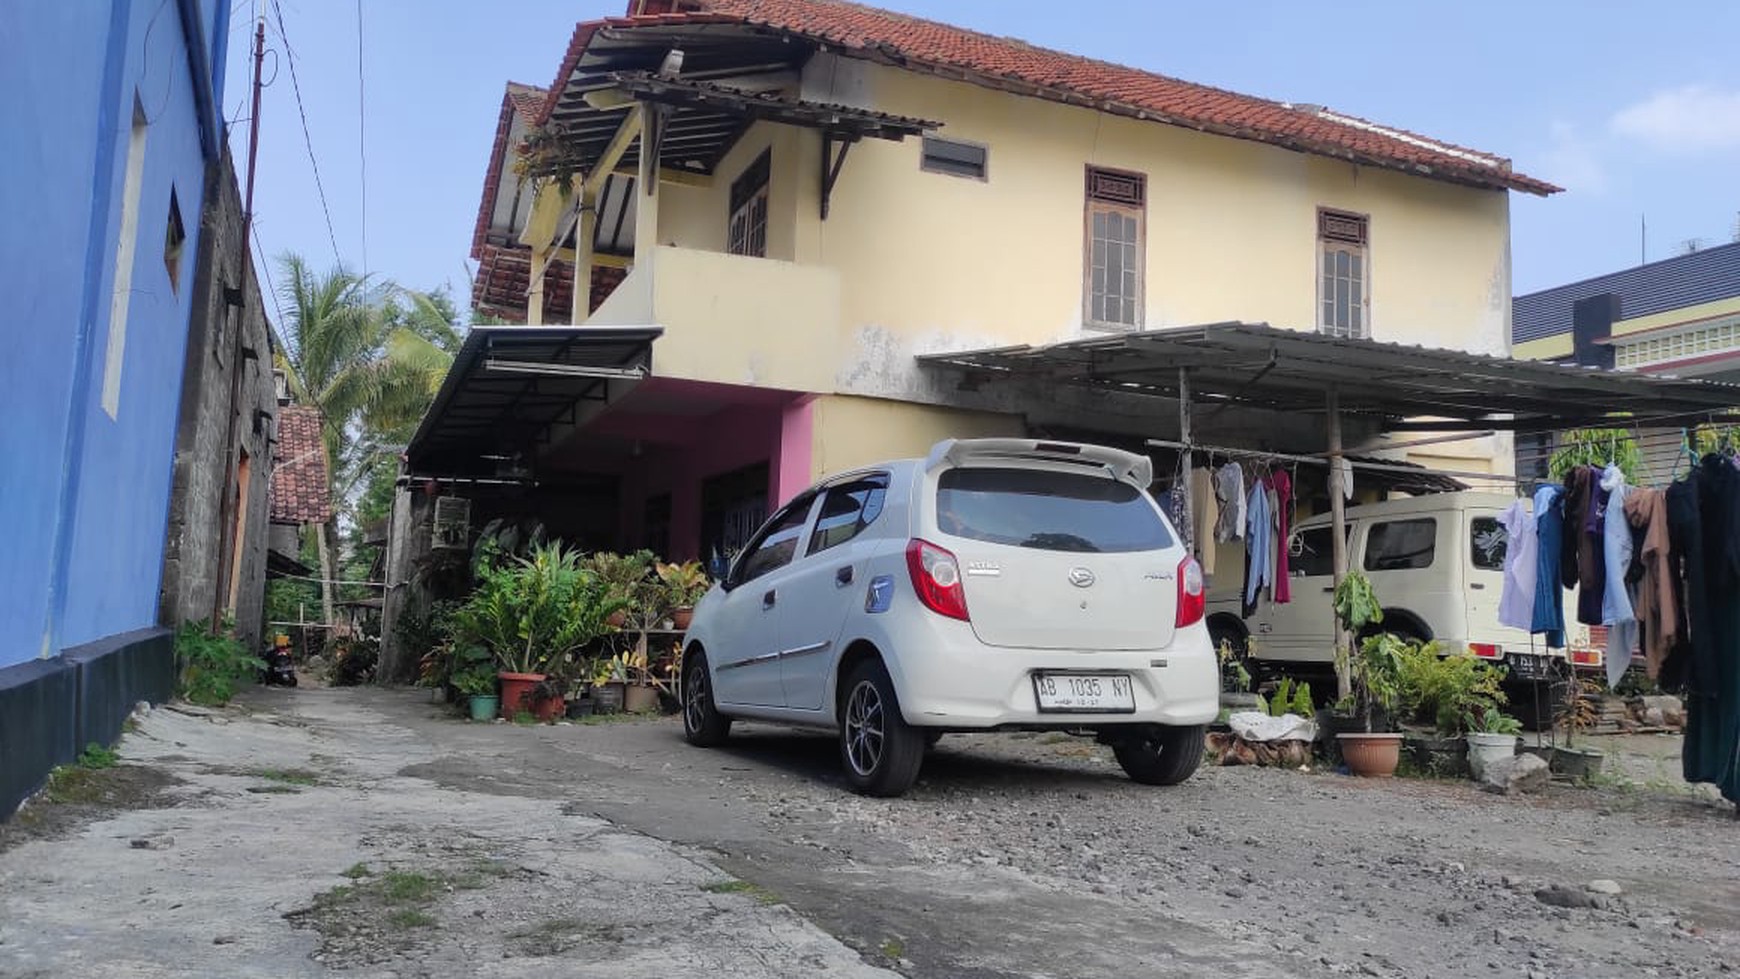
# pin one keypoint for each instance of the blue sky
(1635, 110)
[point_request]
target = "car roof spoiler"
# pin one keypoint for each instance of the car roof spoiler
(1126, 466)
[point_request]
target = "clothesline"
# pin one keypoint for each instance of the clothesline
(1324, 460)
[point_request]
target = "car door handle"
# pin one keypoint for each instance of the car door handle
(767, 600)
(843, 577)
(1477, 586)
(1328, 590)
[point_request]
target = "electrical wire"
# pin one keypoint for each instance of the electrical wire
(307, 140)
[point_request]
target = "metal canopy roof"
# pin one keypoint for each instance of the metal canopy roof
(509, 384)
(1260, 366)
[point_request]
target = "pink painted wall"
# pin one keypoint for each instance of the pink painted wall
(793, 471)
(731, 439)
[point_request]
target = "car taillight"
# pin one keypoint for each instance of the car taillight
(936, 577)
(1486, 650)
(1192, 599)
(1586, 657)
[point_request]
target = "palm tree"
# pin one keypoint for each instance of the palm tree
(370, 365)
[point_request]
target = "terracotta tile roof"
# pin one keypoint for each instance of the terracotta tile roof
(923, 45)
(528, 102)
(503, 272)
(298, 492)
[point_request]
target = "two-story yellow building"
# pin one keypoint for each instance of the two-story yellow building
(804, 196)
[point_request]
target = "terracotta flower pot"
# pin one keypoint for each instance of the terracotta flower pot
(617, 619)
(516, 689)
(1371, 755)
(681, 618)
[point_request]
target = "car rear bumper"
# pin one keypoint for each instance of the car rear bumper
(951, 680)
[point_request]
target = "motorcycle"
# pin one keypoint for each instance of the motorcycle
(280, 669)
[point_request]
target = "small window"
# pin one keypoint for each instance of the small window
(174, 238)
(1048, 511)
(1310, 554)
(847, 511)
(1487, 543)
(748, 225)
(778, 542)
(952, 157)
(1343, 291)
(1116, 247)
(1401, 545)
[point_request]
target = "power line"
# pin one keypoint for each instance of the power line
(362, 146)
(307, 140)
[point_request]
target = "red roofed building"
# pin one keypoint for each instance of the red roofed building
(779, 208)
(299, 493)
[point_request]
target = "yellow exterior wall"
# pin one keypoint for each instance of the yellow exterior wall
(1546, 348)
(1675, 317)
(850, 432)
(1231, 224)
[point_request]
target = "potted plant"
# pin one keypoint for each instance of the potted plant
(1448, 695)
(1375, 751)
(1578, 713)
(477, 685)
(608, 682)
(625, 578)
(683, 586)
(1493, 739)
(533, 611)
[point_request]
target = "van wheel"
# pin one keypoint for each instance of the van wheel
(703, 725)
(879, 750)
(1162, 755)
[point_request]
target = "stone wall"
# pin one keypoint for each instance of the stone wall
(220, 421)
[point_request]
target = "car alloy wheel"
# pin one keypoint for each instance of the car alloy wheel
(864, 729)
(703, 725)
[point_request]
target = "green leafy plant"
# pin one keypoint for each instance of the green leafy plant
(211, 667)
(97, 756)
(625, 576)
(1375, 674)
(1232, 668)
(1595, 447)
(1494, 721)
(535, 611)
(682, 585)
(1303, 704)
(1356, 607)
(1449, 692)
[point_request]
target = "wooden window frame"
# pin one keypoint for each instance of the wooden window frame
(1343, 231)
(750, 188)
(1125, 193)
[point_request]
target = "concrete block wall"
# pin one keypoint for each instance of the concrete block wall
(228, 333)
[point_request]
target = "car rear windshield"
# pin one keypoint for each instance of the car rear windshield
(1048, 510)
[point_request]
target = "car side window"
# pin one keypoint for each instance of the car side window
(777, 544)
(1401, 545)
(1488, 543)
(1310, 555)
(847, 511)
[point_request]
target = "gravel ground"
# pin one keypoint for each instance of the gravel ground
(615, 849)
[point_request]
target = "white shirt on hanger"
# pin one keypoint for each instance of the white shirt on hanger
(1516, 604)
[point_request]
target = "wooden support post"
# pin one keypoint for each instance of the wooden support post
(1188, 524)
(1337, 534)
(535, 295)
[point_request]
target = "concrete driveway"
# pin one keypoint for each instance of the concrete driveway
(369, 832)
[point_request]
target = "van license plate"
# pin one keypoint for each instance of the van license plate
(1084, 693)
(1528, 666)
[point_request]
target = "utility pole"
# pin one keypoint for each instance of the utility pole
(253, 135)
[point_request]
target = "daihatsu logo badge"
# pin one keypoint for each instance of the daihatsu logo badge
(1081, 577)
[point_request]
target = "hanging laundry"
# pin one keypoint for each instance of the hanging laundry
(1549, 607)
(1616, 605)
(1283, 486)
(1582, 557)
(1687, 659)
(1229, 488)
(1259, 546)
(1656, 608)
(1203, 521)
(1516, 604)
(1712, 746)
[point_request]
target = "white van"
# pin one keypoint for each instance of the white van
(1436, 563)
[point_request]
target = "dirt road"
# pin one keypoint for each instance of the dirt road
(616, 849)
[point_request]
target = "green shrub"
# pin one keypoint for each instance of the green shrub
(210, 667)
(1452, 693)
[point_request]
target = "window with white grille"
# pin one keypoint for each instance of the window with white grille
(748, 227)
(1344, 280)
(1720, 336)
(1116, 247)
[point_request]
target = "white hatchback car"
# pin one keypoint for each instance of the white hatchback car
(999, 584)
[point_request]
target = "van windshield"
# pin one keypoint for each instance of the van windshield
(1048, 510)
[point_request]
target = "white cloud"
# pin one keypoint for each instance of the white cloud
(1570, 161)
(1690, 119)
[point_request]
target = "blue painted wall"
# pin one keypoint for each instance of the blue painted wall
(84, 497)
